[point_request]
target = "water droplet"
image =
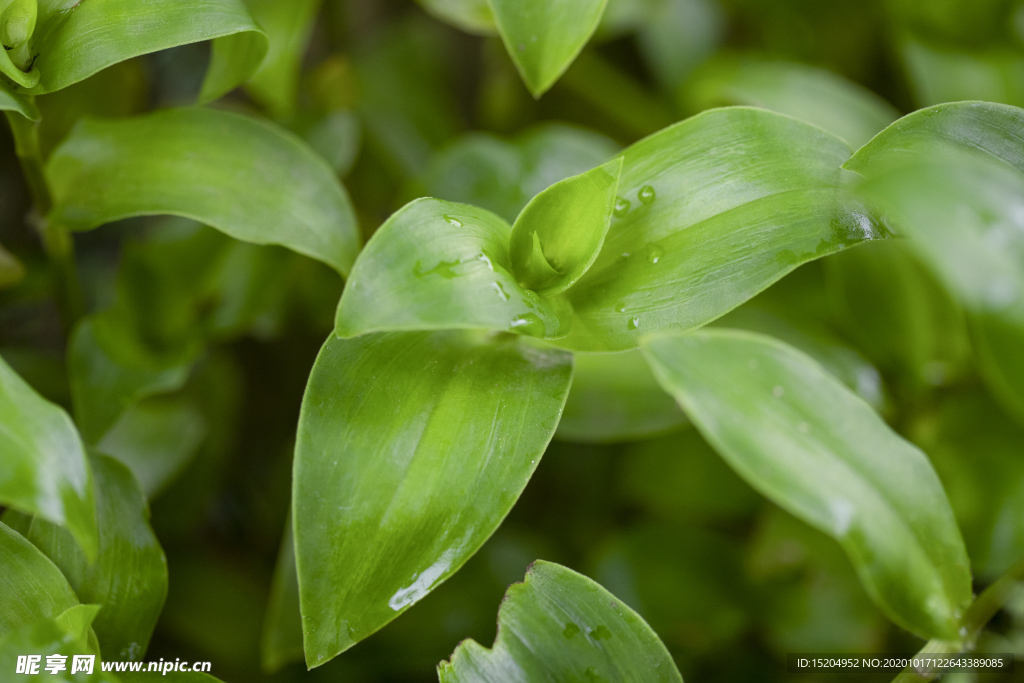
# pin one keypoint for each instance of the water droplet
(803, 428)
(654, 253)
(647, 194)
(778, 392)
(620, 307)
(621, 207)
(571, 630)
(483, 257)
(454, 221)
(633, 323)
(501, 292)
(528, 323)
(600, 633)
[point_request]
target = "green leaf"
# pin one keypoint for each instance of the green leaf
(44, 470)
(66, 634)
(73, 43)
(33, 588)
(11, 270)
(282, 626)
(677, 36)
(130, 578)
(560, 625)
(559, 234)
(817, 96)
(807, 443)
(543, 37)
(12, 100)
(439, 265)
(615, 398)
(156, 438)
(503, 175)
(713, 210)
(288, 26)
(939, 73)
(337, 138)
(247, 178)
(964, 213)
(473, 16)
(411, 449)
(110, 369)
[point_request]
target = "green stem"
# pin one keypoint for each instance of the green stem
(978, 615)
(57, 241)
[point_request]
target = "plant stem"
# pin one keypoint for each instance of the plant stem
(978, 615)
(57, 241)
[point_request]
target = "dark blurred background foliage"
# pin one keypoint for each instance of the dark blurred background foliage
(403, 105)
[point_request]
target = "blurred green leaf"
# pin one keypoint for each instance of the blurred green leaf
(282, 626)
(337, 138)
(44, 470)
(440, 265)
(503, 175)
(11, 270)
(559, 234)
(942, 74)
(73, 43)
(129, 580)
(712, 210)
(12, 100)
(110, 369)
(249, 179)
(817, 96)
(33, 588)
(896, 311)
(439, 433)
(686, 582)
(614, 397)
(560, 624)
(543, 37)
(156, 438)
(288, 26)
(975, 448)
(474, 16)
(677, 36)
(680, 478)
(770, 411)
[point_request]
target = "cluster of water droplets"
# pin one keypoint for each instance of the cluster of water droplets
(654, 252)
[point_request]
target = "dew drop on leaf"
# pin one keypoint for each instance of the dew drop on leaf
(621, 207)
(453, 220)
(620, 307)
(633, 323)
(654, 253)
(571, 630)
(647, 195)
(501, 292)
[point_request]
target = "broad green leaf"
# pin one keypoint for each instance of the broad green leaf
(474, 16)
(560, 625)
(33, 588)
(110, 369)
(543, 37)
(130, 578)
(66, 634)
(966, 215)
(614, 398)
(156, 438)
(844, 363)
(337, 138)
(899, 314)
(713, 210)
(439, 265)
(979, 128)
(771, 412)
(817, 96)
(942, 74)
(44, 470)
(559, 234)
(503, 175)
(412, 447)
(75, 40)
(247, 178)
(11, 270)
(288, 26)
(282, 626)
